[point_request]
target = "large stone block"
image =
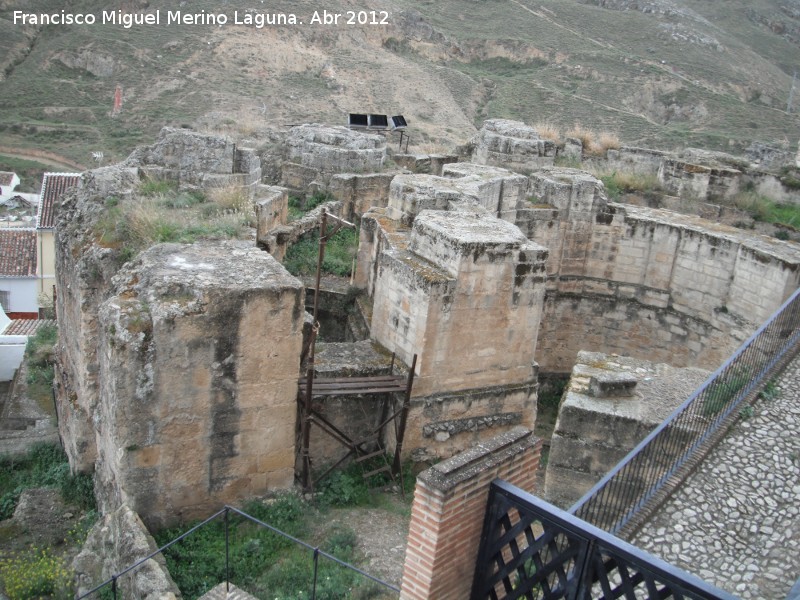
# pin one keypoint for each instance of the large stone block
(457, 296)
(229, 319)
(512, 145)
(596, 427)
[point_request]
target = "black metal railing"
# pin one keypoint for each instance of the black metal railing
(113, 584)
(614, 501)
(531, 549)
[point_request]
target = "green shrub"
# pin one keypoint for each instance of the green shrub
(720, 393)
(301, 258)
(343, 488)
(45, 465)
(35, 573)
(156, 187)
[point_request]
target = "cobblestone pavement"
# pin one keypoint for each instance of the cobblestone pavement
(736, 521)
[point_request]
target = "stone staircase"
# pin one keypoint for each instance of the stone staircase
(220, 592)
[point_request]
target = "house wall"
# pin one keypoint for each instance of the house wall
(12, 349)
(22, 296)
(46, 261)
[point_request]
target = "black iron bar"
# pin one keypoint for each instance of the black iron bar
(316, 568)
(227, 554)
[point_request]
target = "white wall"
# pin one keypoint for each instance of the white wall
(12, 348)
(23, 293)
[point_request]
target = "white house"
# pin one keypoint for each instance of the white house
(8, 183)
(18, 277)
(12, 348)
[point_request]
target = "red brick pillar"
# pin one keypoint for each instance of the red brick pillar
(447, 514)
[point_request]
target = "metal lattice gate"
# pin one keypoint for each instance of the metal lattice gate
(533, 550)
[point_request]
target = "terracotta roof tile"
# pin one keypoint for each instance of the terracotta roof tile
(26, 326)
(17, 252)
(53, 187)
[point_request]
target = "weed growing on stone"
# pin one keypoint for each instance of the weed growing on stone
(770, 391)
(156, 187)
(721, 392)
(161, 213)
(298, 207)
(39, 358)
(618, 183)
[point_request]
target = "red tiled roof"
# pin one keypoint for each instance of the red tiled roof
(17, 252)
(26, 326)
(53, 187)
(6, 177)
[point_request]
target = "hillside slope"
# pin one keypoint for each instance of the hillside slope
(661, 73)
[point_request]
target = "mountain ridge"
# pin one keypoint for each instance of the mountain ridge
(657, 73)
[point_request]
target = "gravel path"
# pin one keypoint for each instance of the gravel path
(735, 523)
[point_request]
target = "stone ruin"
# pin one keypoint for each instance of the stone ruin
(178, 371)
(610, 404)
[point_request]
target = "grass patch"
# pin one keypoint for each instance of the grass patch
(45, 465)
(618, 183)
(301, 258)
(263, 562)
(161, 213)
(766, 210)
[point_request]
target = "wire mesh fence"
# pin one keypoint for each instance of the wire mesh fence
(619, 496)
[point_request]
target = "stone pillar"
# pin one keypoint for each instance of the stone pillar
(448, 511)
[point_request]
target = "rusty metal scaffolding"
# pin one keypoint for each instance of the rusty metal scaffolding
(310, 387)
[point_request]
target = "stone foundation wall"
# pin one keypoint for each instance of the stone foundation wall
(685, 178)
(229, 319)
(456, 296)
(428, 164)
(647, 282)
(83, 275)
(512, 145)
(197, 160)
(359, 193)
(314, 153)
(610, 404)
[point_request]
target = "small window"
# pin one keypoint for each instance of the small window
(5, 298)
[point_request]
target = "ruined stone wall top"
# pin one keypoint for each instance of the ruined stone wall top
(335, 149)
(512, 144)
(611, 403)
(186, 151)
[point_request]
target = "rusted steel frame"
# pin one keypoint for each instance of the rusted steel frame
(397, 464)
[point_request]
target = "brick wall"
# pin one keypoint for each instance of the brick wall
(447, 514)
